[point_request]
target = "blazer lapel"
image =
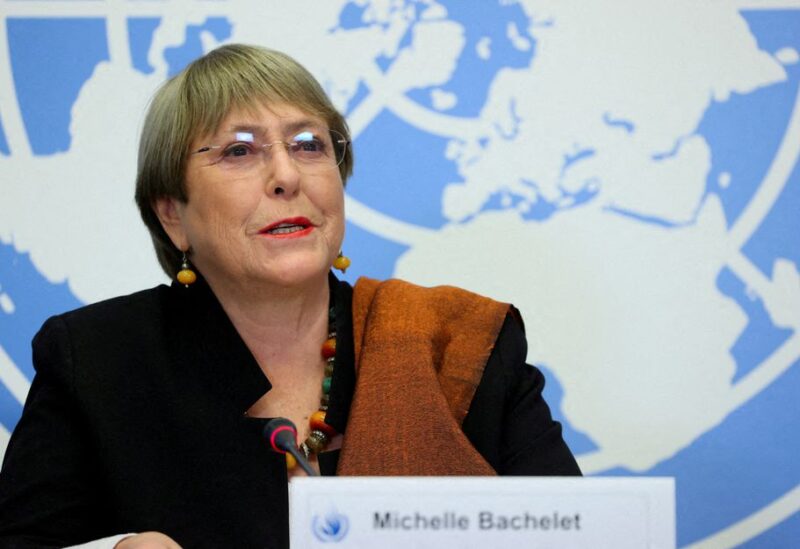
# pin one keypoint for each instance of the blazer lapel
(207, 342)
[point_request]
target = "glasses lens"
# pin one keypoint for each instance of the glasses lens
(310, 148)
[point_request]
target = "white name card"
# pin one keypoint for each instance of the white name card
(480, 512)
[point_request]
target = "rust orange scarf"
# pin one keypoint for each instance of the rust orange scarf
(420, 354)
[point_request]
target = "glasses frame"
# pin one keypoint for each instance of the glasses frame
(338, 141)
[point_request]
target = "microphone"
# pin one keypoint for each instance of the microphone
(282, 436)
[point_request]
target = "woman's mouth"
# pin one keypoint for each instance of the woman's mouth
(285, 229)
(294, 227)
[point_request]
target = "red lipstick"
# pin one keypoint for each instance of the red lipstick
(291, 227)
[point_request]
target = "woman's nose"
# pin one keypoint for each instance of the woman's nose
(283, 178)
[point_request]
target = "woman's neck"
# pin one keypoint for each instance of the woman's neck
(282, 327)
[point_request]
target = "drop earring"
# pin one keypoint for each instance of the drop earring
(186, 275)
(342, 262)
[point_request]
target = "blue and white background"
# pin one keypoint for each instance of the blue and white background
(625, 171)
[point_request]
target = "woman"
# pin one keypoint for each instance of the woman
(146, 412)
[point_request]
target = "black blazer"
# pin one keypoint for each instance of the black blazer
(135, 421)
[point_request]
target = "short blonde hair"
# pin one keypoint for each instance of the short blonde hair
(196, 101)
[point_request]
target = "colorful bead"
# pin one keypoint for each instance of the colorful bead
(329, 348)
(317, 423)
(317, 441)
(342, 262)
(321, 432)
(186, 277)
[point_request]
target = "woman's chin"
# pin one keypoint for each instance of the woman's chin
(298, 273)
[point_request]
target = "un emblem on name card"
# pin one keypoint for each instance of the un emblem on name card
(332, 527)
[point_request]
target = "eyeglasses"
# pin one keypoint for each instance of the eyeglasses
(310, 150)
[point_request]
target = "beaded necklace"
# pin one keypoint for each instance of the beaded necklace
(321, 433)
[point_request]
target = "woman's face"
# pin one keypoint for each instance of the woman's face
(276, 220)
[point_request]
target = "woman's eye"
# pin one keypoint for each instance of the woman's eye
(237, 150)
(308, 145)
(312, 146)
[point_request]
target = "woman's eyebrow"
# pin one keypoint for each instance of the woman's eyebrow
(244, 128)
(303, 124)
(261, 131)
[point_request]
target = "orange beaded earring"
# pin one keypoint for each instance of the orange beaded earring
(186, 275)
(342, 262)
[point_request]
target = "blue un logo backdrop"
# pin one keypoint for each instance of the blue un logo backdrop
(625, 172)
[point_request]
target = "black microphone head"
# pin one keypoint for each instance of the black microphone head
(281, 434)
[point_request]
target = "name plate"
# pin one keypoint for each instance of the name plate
(558, 512)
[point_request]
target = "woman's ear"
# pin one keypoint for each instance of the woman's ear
(168, 211)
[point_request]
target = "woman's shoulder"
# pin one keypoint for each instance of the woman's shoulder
(109, 311)
(443, 300)
(397, 285)
(440, 307)
(110, 320)
(103, 338)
